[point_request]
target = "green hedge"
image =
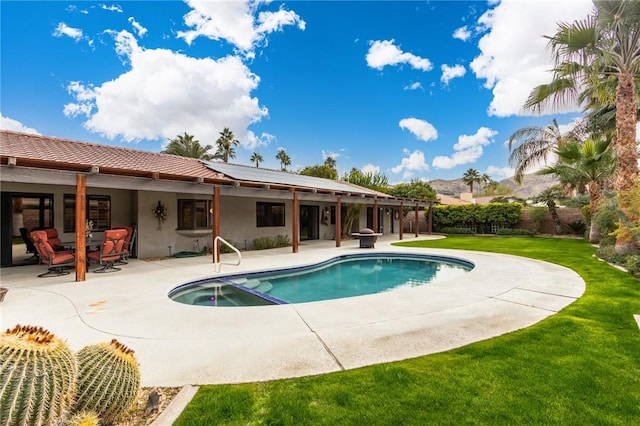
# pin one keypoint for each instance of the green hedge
(510, 231)
(476, 216)
(450, 230)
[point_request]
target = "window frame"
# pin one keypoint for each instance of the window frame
(192, 205)
(266, 217)
(92, 212)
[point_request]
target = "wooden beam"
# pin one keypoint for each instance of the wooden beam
(155, 175)
(376, 227)
(215, 220)
(401, 220)
(339, 222)
(295, 225)
(430, 226)
(417, 222)
(81, 223)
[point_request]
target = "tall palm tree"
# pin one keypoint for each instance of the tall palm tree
(549, 197)
(256, 158)
(186, 146)
(593, 54)
(591, 162)
(284, 159)
(226, 144)
(470, 177)
(532, 145)
(330, 161)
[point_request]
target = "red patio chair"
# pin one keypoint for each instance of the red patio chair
(111, 250)
(57, 260)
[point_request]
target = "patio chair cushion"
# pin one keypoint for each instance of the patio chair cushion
(55, 259)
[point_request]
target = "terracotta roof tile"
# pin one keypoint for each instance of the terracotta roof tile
(65, 153)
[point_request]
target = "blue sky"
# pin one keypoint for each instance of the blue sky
(413, 90)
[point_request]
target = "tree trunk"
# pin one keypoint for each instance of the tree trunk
(551, 205)
(625, 145)
(595, 195)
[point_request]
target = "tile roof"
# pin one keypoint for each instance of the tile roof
(43, 151)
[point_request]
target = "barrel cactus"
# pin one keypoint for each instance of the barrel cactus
(37, 377)
(108, 379)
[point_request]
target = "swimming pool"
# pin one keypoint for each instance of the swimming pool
(339, 277)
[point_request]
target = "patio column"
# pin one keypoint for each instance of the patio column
(401, 221)
(295, 225)
(81, 223)
(376, 227)
(430, 217)
(215, 222)
(339, 221)
(417, 222)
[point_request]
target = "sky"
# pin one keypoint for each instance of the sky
(409, 89)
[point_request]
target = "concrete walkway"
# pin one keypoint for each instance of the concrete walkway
(177, 344)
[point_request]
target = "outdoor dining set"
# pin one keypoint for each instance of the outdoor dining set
(113, 251)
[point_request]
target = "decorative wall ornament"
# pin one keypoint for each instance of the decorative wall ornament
(160, 212)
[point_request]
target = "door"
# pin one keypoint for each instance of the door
(309, 222)
(20, 210)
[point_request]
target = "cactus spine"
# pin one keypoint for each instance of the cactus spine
(37, 377)
(108, 379)
(85, 418)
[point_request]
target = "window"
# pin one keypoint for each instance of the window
(269, 214)
(194, 214)
(98, 211)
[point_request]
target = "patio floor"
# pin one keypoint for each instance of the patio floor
(177, 344)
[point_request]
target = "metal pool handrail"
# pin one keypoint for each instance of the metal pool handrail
(216, 256)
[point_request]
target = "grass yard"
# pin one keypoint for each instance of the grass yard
(578, 367)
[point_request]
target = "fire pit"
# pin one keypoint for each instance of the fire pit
(367, 237)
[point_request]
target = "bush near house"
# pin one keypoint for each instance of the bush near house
(264, 243)
(481, 218)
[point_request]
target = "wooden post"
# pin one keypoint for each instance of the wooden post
(430, 217)
(401, 221)
(376, 227)
(295, 225)
(339, 222)
(215, 222)
(417, 222)
(81, 224)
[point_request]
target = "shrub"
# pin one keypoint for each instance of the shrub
(537, 216)
(577, 227)
(510, 231)
(476, 215)
(451, 230)
(264, 243)
(633, 265)
(610, 254)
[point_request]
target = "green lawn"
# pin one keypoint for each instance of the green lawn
(578, 367)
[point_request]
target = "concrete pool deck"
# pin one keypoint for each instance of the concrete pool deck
(178, 344)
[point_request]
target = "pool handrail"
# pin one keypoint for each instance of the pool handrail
(216, 255)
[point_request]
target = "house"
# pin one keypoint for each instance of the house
(43, 177)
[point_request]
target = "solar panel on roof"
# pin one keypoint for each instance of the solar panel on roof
(255, 174)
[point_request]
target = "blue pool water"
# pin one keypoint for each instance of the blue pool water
(344, 276)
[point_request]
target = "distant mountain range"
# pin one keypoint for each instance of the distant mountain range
(532, 184)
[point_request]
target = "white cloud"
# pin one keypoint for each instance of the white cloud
(462, 33)
(7, 123)
(385, 52)
(500, 172)
(327, 154)
(412, 163)
(421, 129)
(166, 93)
(112, 8)
(140, 30)
(449, 73)
(467, 150)
(413, 86)
(370, 168)
(64, 30)
(514, 57)
(235, 22)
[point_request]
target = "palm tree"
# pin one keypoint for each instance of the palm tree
(226, 143)
(186, 146)
(549, 197)
(330, 161)
(592, 54)
(256, 158)
(470, 177)
(284, 159)
(591, 162)
(532, 145)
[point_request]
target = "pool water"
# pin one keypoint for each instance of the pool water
(344, 276)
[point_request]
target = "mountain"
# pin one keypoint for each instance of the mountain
(532, 184)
